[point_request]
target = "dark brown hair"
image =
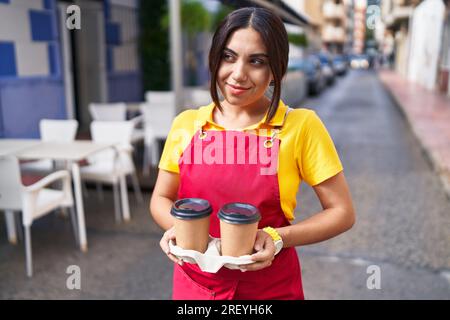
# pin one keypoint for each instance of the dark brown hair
(274, 36)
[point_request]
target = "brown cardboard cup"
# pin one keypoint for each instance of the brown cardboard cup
(238, 228)
(192, 223)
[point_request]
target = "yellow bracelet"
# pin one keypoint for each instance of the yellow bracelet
(272, 233)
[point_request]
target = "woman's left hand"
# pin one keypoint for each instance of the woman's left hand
(265, 252)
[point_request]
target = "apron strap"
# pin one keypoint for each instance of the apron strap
(269, 142)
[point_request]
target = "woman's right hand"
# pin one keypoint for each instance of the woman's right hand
(164, 243)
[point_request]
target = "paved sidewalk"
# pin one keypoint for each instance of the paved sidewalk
(428, 114)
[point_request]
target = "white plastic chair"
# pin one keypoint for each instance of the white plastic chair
(116, 112)
(109, 165)
(52, 130)
(198, 97)
(108, 111)
(151, 147)
(34, 201)
(58, 130)
(160, 97)
(158, 113)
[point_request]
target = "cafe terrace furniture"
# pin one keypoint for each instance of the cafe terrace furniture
(33, 201)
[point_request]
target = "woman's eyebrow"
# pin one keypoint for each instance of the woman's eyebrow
(252, 55)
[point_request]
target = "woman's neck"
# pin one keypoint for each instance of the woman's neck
(238, 117)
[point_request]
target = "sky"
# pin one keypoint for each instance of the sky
(211, 5)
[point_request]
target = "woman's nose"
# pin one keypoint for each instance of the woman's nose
(239, 74)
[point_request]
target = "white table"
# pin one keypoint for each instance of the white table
(12, 146)
(73, 152)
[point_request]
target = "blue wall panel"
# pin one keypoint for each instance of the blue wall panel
(1, 120)
(107, 10)
(8, 59)
(25, 102)
(113, 33)
(42, 28)
(53, 55)
(109, 59)
(49, 4)
(125, 87)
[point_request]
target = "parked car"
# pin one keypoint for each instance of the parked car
(311, 67)
(359, 61)
(294, 88)
(340, 65)
(326, 63)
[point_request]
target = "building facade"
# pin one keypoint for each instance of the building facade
(334, 34)
(50, 71)
(418, 35)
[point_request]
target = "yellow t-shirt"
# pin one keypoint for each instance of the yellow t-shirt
(306, 151)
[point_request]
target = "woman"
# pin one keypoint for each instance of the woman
(249, 53)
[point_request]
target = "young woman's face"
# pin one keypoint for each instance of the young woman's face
(244, 72)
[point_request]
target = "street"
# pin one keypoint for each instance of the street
(402, 226)
(402, 222)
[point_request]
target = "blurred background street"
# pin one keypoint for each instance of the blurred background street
(376, 73)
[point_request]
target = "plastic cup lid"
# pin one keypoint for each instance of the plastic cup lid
(191, 208)
(239, 213)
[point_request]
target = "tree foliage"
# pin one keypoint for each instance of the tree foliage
(219, 16)
(154, 36)
(154, 46)
(298, 39)
(194, 18)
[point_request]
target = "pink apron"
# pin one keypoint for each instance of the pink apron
(220, 183)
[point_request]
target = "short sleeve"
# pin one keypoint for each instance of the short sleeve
(177, 140)
(318, 159)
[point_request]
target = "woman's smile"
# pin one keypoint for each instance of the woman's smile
(237, 90)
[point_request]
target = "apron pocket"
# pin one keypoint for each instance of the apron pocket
(185, 288)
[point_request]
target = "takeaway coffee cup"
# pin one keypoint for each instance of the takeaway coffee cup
(238, 228)
(192, 223)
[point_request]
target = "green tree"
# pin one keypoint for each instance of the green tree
(154, 46)
(298, 39)
(219, 16)
(154, 38)
(194, 19)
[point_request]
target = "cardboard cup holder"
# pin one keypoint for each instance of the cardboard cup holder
(211, 261)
